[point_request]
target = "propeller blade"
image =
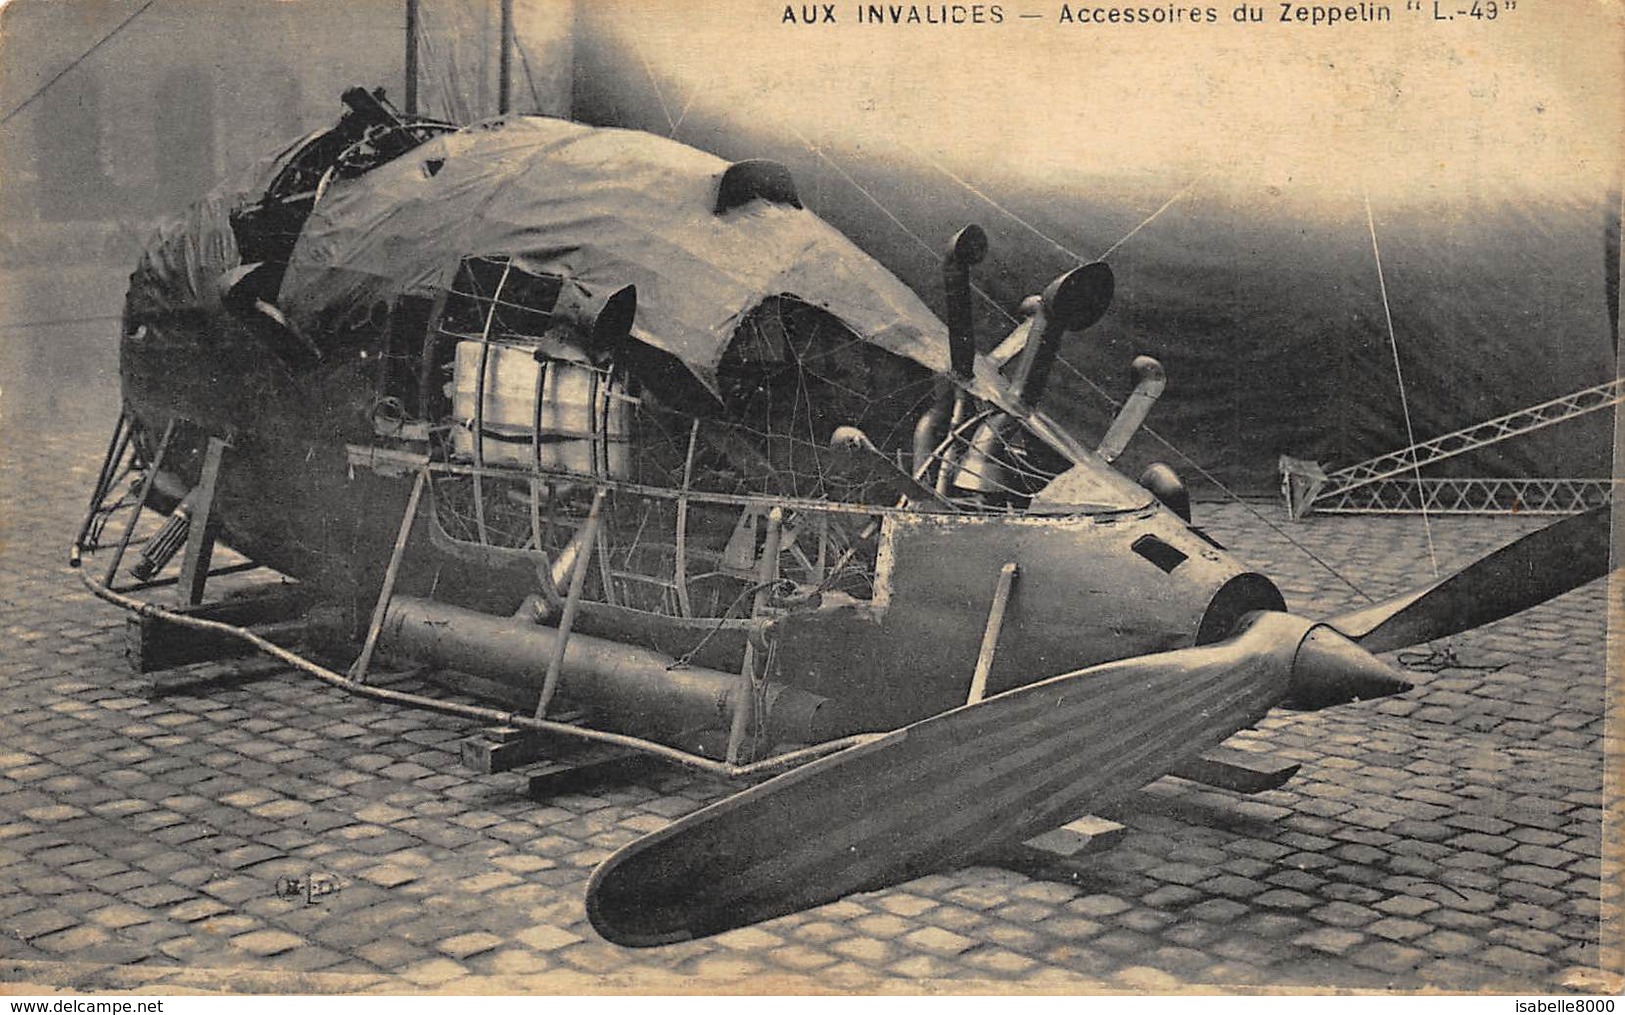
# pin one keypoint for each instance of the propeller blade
(940, 791)
(1540, 566)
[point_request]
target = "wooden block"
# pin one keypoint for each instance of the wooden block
(153, 644)
(501, 749)
(1088, 834)
(1237, 771)
(585, 770)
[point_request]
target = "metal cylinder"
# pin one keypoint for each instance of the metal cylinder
(629, 689)
(162, 547)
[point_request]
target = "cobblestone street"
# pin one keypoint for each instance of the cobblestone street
(1448, 839)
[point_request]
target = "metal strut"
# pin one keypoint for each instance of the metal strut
(358, 672)
(106, 479)
(588, 540)
(990, 634)
(141, 501)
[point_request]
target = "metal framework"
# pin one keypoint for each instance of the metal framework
(124, 461)
(1381, 484)
(1469, 497)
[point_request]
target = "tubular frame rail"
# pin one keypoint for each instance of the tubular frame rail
(86, 542)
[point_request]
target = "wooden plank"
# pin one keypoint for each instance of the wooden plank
(501, 749)
(215, 673)
(1236, 770)
(586, 769)
(205, 525)
(153, 644)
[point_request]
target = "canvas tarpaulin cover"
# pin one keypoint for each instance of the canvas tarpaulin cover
(607, 208)
(604, 207)
(186, 262)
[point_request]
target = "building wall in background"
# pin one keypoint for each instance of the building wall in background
(190, 91)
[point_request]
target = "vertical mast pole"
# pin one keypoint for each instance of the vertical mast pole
(411, 57)
(505, 59)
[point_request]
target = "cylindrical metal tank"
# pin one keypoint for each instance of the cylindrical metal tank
(629, 688)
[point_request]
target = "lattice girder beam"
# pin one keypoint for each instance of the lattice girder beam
(1469, 496)
(1450, 445)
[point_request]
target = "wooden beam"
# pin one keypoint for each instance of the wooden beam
(1236, 770)
(585, 769)
(213, 673)
(200, 534)
(152, 644)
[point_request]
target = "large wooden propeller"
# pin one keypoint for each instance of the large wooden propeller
(934, 793)
(938, 792)
(1540, 566)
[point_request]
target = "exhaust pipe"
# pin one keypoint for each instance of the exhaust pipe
(1070, 303)
(1149, 379)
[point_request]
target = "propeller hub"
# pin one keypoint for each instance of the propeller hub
(1329, 669)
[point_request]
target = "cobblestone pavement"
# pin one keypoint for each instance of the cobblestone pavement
(1449, 839)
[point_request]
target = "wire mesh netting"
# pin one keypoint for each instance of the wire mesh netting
(810, 418)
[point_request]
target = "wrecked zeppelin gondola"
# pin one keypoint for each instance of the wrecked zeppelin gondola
(626, 433)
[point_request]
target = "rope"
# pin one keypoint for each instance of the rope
(815, 150)
(1147, 220)
(1404, 402)
(688, 657)
(660, 96)
(59, 75)
(939, 167)
(1438, 659)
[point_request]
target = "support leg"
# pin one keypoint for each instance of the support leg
(750, 677)
(572, 603)
(358, 672)
(104, 485)
(141, 501)
(200, 535)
